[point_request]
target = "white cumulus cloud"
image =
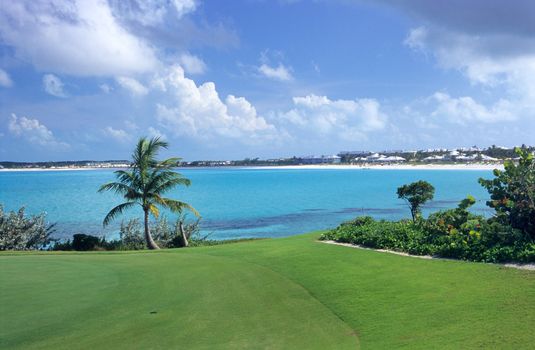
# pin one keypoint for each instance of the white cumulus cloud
(153, 132)
(281, 72)
(192, 64)
(105, 88)
(78, 37)
(132, 85)
(152, 12)
(5, 80)
(53, 85)
(465, 109)
(198, 111)
(119, 135)
(346, 119)
(34, 132)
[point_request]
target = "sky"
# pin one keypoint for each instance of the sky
(84, 79)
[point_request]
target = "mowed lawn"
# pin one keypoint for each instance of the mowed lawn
(290, 293)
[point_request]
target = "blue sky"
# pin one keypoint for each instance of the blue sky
(236, 79)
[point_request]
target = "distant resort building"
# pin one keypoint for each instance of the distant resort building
(434, 159)
(379, 158)
(333, 159)
(455, 156)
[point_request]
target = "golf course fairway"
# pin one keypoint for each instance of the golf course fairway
(288, 293)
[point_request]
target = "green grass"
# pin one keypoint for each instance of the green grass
(291, 293)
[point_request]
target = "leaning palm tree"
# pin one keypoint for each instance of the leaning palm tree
(146, 183)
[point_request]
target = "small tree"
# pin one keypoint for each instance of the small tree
(416, 194)
(19, 231)
(512, 193)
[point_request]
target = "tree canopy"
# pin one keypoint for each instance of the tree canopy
(416, 194)
(512, 192)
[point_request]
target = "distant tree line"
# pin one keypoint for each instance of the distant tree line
(63, 164)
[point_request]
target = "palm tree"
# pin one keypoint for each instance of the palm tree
(145, 184)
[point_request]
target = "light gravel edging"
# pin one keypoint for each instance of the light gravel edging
(515, 266)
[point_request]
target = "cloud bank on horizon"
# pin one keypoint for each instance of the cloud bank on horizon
(83, 79)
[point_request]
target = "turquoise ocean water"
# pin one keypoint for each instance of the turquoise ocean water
(243, 202)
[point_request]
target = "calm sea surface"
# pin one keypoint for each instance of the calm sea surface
(243, 202)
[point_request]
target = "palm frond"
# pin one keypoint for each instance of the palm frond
(154, 210)
(169, 163)
(118, 210)
(151, 150)
(169, 184)
(177, 206)
(125, 176)
(161, 181)
(116, 187)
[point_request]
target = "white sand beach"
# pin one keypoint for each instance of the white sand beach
(460, 166)
(467, 166)
(55, 169)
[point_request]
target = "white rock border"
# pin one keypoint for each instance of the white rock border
(530, 267)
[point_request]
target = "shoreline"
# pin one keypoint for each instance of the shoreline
(468, 166)
(429, 166)
(55, 169)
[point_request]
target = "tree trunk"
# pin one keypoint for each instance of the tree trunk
(184, 239)
(148, 238)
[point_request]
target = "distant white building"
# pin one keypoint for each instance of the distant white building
(434, 158)
(464, 158)
(488, 158)
(380, 158)
(395, 159)
(374, 157)
(332, 159)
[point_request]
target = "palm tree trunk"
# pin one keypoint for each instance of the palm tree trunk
(184, 239)
(148, 238)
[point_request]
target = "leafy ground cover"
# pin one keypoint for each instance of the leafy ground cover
(291, 293)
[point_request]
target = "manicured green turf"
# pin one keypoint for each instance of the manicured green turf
(292, 293)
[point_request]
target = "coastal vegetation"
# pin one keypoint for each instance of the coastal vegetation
(132, 237)
(145, 184)
(416, 194)
(19, 231)
(512, 193)
(509, 235)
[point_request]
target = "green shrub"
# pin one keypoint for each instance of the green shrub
(83, 242)
(131, 236)
(399, 236)
(452, 233)
(512, 193)
(19, 231)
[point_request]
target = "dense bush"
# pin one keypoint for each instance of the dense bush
(512, 193)
(131, 236)
(454, 233)
(19, 231)
(400, 236)
(83, 242)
